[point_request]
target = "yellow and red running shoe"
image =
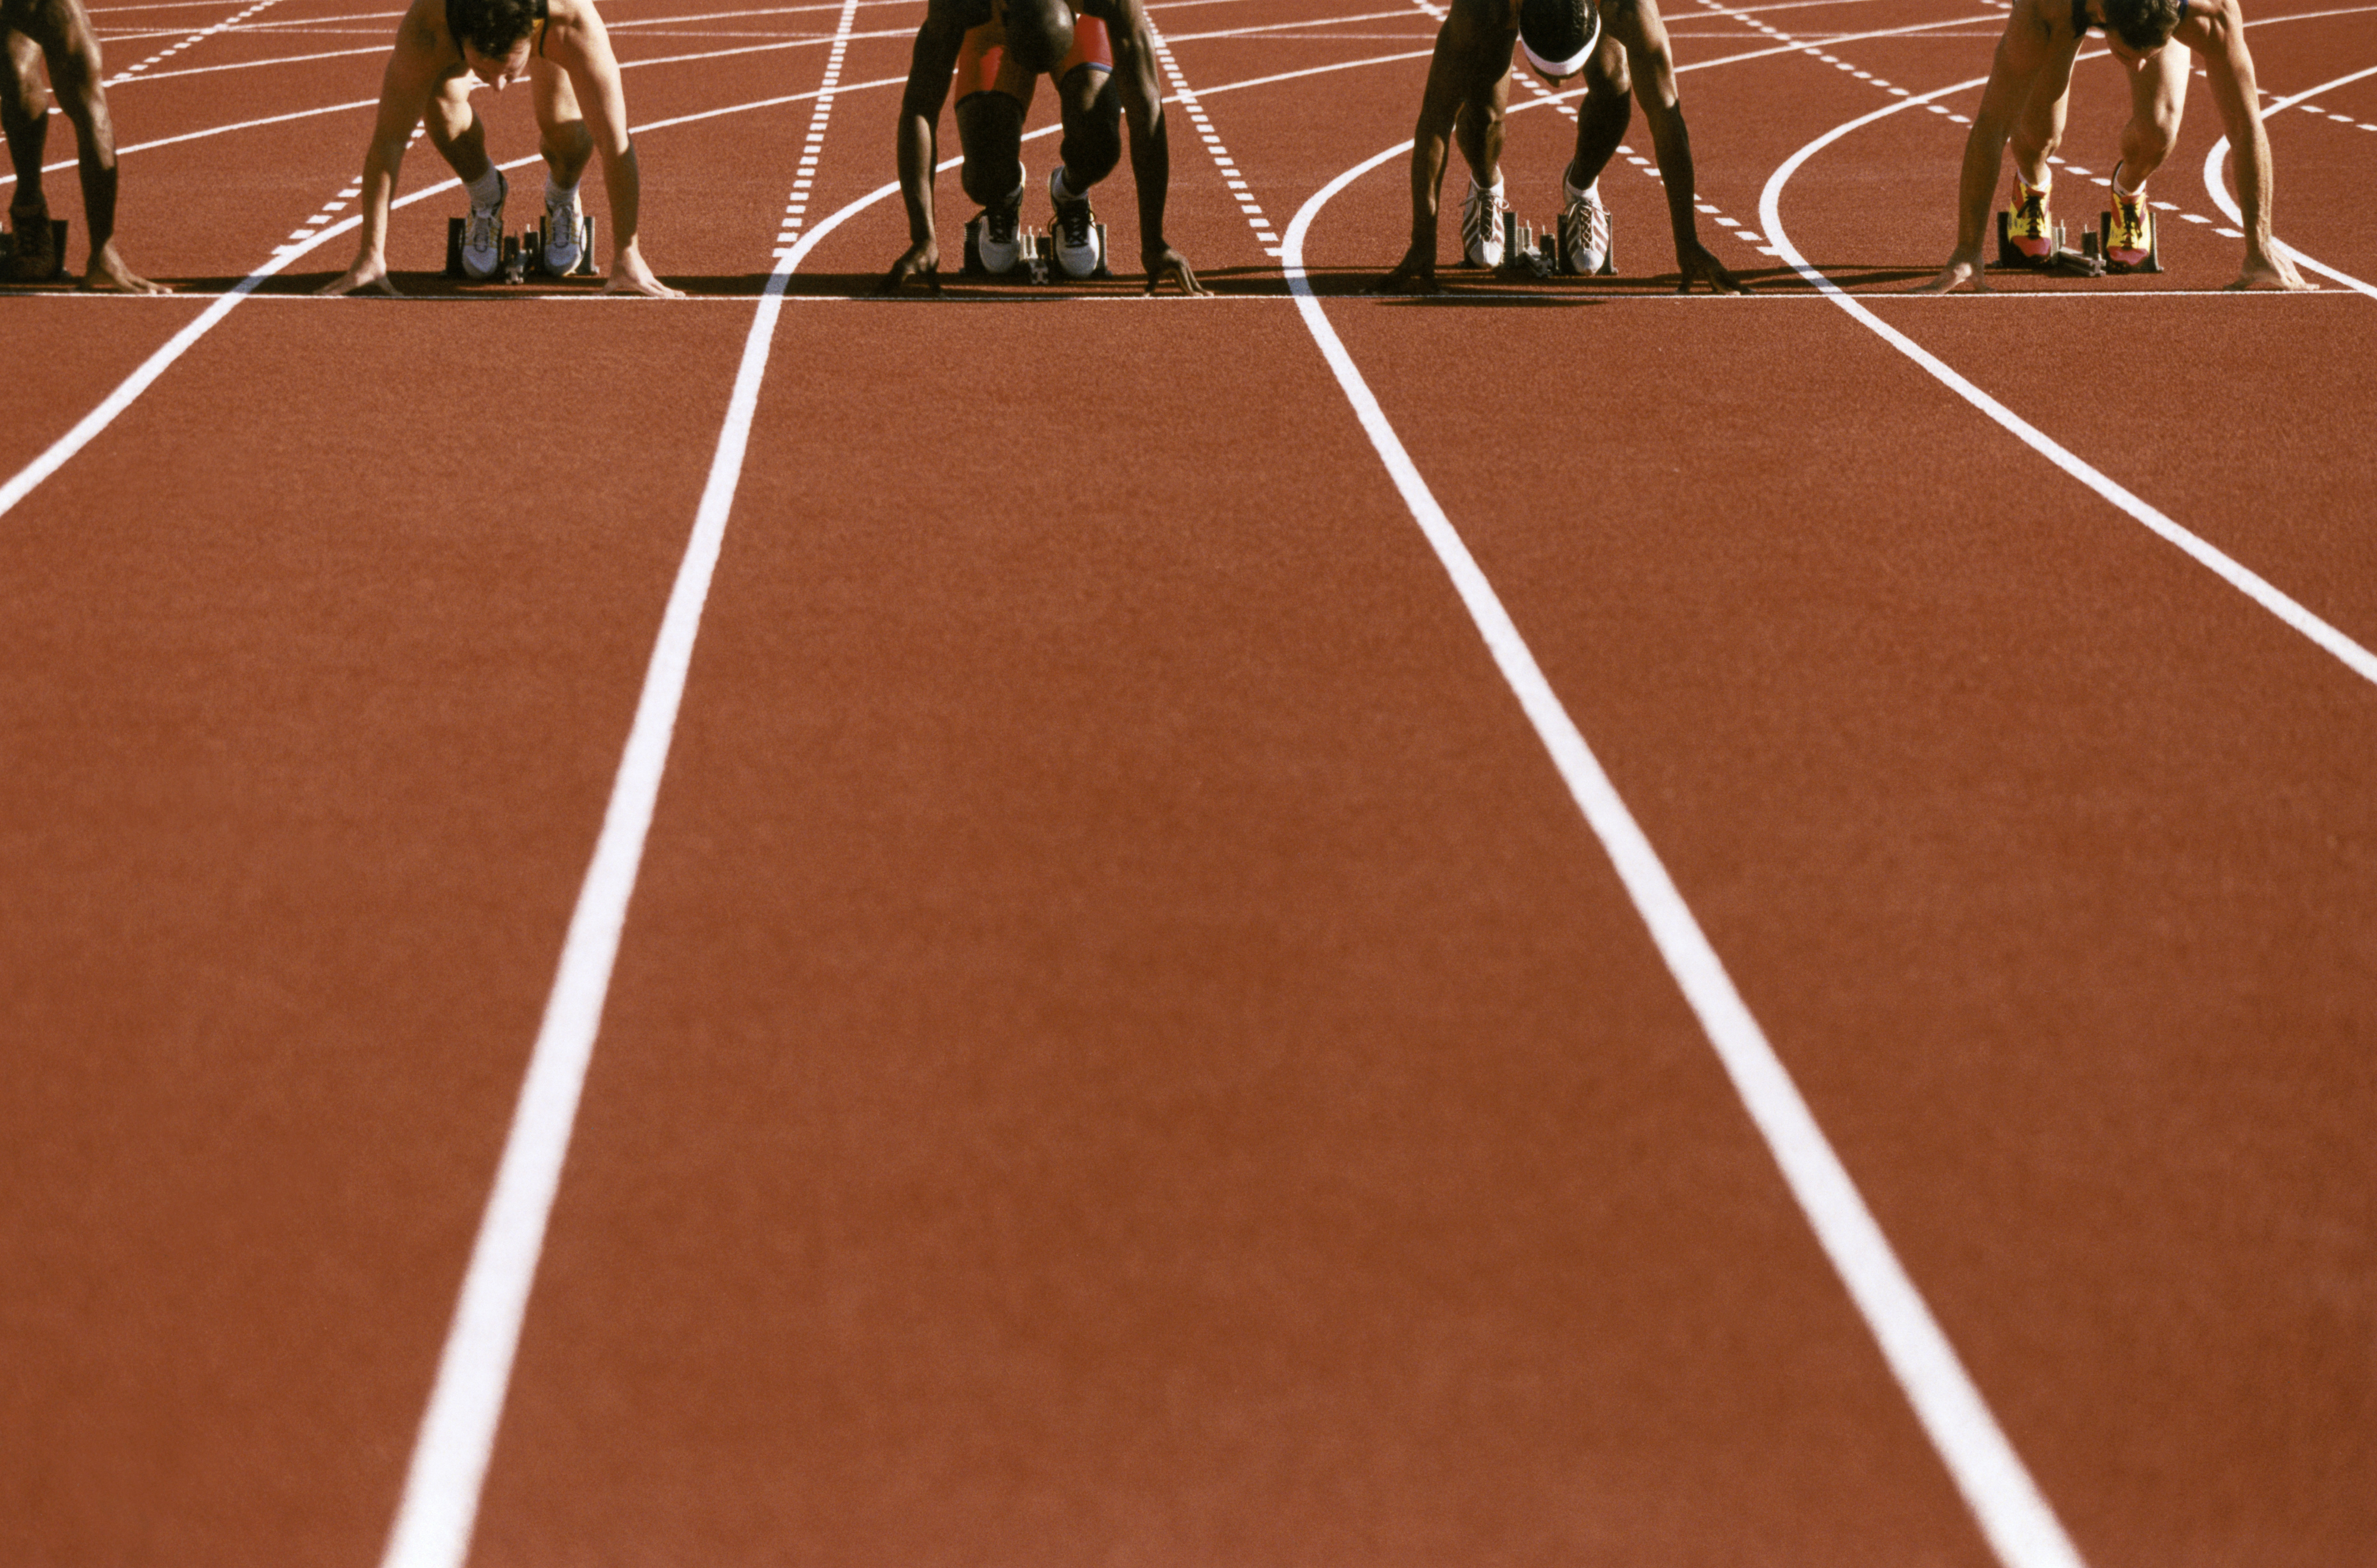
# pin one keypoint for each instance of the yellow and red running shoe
(2028, 229)
(2128, 228)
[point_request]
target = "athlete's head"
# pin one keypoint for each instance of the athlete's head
(1039, 32)
(1557, 36)
(2144, 25)
(496, 31)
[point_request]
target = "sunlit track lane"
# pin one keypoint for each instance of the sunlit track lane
(2042, 855)
(1123, 1048)
(300, 789)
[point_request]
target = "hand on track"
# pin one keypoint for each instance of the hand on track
(630, 276)
(1416, 274)
(1695, 263)
(1959, 271)
(1162, 262)
(368, 272)
(922, 259)
(109, 275)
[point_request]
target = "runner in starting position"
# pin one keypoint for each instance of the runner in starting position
(444, 48)
(1618, 45)
(1103, 59)
(58, 32)
(2030, 84)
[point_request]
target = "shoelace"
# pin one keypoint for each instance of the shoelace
(483, 231)
(1588, 224)
(2032, 207)
(1478, 216)
(999, 223)
(1075, 221)
(562, 226)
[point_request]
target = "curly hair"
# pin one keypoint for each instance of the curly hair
(494, 28)
(2144, 25)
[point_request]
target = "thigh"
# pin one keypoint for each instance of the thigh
(2159, 85)
(556, 99)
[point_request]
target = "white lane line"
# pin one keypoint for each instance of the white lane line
(132, 72)
(1186, 95)
(443, 1487)
(2217, 187)
(2359, 659)
(2020, 1525)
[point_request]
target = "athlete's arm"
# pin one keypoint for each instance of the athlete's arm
(415, 68)
(2220, 39)
(575, 40)
(930, 65)
(1151, 149)
(2022, 52)
(1473, 50)
(1635, 24)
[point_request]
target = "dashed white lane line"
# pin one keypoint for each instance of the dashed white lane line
(796, 205)
(2359, 659)
(1186, 95)
(2015, 1517)
(131, 72)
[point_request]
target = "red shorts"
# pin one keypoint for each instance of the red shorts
(981, 59)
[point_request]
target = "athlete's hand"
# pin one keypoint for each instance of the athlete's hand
(1960, 270)
(1694, 262)
(2270, 268)
(922, 259)
(370, 271)
(1162, 262)
(629, 275)
(1416, 274)
(109, 275)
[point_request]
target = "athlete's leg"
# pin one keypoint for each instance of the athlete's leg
(454, 130)
(25, 116)
(2157, 97)
(990, 134)
(1478, 130)
(562, 134)
(2039, 126)
(71, 50)
(1092, 109)
(1602, 114)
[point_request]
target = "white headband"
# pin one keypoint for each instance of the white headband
(1556, 69)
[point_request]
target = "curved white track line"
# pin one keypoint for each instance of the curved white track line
(2359, 659)
(2218, 188)
(2020, 1525)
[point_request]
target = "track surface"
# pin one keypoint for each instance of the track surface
(1123, 1048)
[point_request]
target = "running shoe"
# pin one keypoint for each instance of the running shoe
(2129, 231)
(483, 238)
(33, 257)
(565, 235)
(1584, 228)
(998, 243)
(2029, 228)
(1481, 224)
(1081, 250)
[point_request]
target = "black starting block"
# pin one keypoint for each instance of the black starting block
(524, 254)
(1037, 263)
(2089, 261)
(1527, 253)
(57, 257)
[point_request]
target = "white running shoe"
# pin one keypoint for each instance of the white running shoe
(1481, 224)
(483, 238)
(1584, 228)
(565, 235)
(1081, 250)
(998, 244)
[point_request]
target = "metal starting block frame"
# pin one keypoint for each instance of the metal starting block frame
(1527, 253)
(57, 253)
(2089, 261)
(1037, 263)
(523, 256)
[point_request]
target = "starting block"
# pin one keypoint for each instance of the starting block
(1036, 263)
(2089, 261)
(1527, 253)
(8, 273)
(524, 254)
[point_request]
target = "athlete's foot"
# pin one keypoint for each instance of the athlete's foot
(107, 274)
(2029, 229)
(1080, 250)
(2129, 228)
(564, 236)
(483, 237)
(999, 243)
(1585, 227)
(1481, 224)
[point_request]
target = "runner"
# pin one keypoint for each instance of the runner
(2029, 85)
(444, 48)
(58, 32)
(1102, 60)
(1617, 45)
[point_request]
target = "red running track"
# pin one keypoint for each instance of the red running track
(1123, 1046)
